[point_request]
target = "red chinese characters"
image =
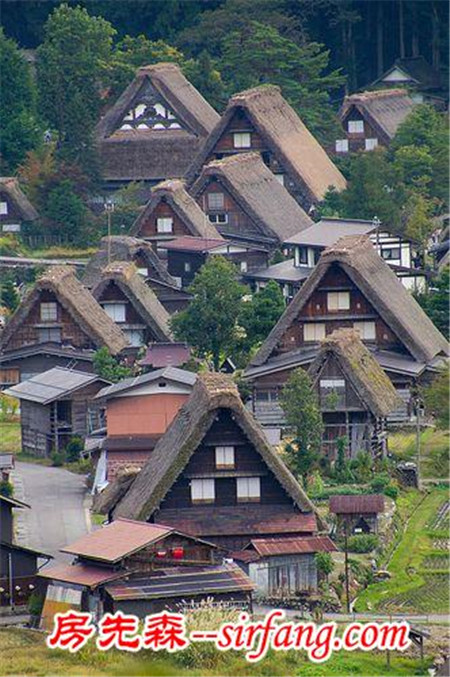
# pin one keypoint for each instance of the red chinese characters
(120, 631)
(165, 631)
(71, 631)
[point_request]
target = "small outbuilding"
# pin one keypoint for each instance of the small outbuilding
(357, 514)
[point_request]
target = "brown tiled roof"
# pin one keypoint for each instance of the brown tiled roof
(364, 503)
(78, 301)
(384, 110)
(194, 244)
(269, 547)
(382, 288)
(285, 135)
(174, 193)
(10, 186)
(81, 574)
(258, 192)
(368, 379)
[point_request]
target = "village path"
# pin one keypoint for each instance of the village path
(58, 500)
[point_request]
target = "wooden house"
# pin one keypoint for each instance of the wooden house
(357, 514)
(15, 208)
(423, 81)
(154, 129)
(354, 393)
(58, 323)
(261, 120)
(132, 305)
(141, 568)
(18, 565)
(186, 255)
(371, 119)
(350, 287)
(246, 202)
(172, 212)
(214, 475)
(288, 276)
(55, 406)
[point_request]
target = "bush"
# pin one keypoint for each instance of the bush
(57, 459)
(73, 449)
(362, 543)
(391, 491)
(379, 483)
(6, 488)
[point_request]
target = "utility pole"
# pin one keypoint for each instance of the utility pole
(109, 208)
(418, 403)
(347, 592)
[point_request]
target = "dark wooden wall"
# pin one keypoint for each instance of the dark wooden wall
(162, 210)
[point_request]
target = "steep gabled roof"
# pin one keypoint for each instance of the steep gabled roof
(368, 379)
(173, 451)
(79, 303)
(418, 69)
(124, 248)
(125, 275)
(257, 191)
(10, 186)
(285, 135)
(173, 192)
(384, 110)
(382, 288)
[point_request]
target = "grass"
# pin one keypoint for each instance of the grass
(411, 588)
(60, 252)
(10, 442)
(434, 451)
(23, 652)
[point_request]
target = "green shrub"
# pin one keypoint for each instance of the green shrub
(362, 543)
(57, 459)
(6, 488)
(391, 491)
(73, 449)
(379, 483)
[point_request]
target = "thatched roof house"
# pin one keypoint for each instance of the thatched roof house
(124, 277)
(277, 131)
(15, 204)
(155, 127)
(259, 206)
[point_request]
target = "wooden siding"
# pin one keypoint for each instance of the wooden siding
(162, 210)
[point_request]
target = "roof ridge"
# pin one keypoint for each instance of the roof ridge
(259, 90)
(376, 94)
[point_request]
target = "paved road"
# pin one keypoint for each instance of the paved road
(58, 515)
(423, 619)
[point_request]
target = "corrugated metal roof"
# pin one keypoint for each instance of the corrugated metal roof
(80, 574)
(51, 385)
(161, 355)
(365, 503)
(182, 582)
(327, 232)
(195, 244)
(285, 270)
(6, 461)
(268, 547)
(168, 373)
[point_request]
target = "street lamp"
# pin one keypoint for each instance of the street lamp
(109, 208)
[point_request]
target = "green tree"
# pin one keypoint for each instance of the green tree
(259, 315)
(204, 75)
(10, 297)
(324, 563)
(301, 407)
(20, 128)
(72, 62)
(436, 301)
(209, 323)
(108, 367)
(419, 224)
(66, 212)
(436, 398)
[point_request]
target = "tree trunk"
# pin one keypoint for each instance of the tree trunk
(401, 29)
(380, 63)
(435, 52)
(415, 32)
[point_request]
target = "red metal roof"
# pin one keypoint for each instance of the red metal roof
(194, 244)
(160, 355)
(116, 540)
(268, 547)
(81, 574)
(351, 505)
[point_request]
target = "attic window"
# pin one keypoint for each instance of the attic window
(218, 218)
(149, 115)
(341, 146)
(332, 392)
(338, 300)
(216, 200)
(248, 489)
(244, 266)
(224, 457)
(3, 208)
(313, 331)
(366, 330)
(49, 312)
(164, 224)
(116, 311)
(52, 334)
(371, 144)
(162, 384)
(202, 491)
(356, 126)
(242, 140)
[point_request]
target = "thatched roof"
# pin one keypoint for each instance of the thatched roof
(384, 110)
(155, 154)
(286, 136)
(174, 193)
(125, 275)
(80, 304)
(114, 491)
(211, 392)
(124, 248)
(368, 379)
(382, 288)
(9, 185)
(257, 191)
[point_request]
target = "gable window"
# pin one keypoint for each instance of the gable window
(242, 140)
(244, 266)
(216, 200)
(314, 331)
(355, 126)
(187, 266)
(338, 300)
(164, 224)
(135, 337)
(332, 392)
(3, 208)
(202, 491)
(280, 178)
(52, 334)
(248, 489)
(116, 311)
(301, 256)
(341, 146)
(366, 330)
(218, 218)
(391, 253)
(49, 312)
(224, 457)
(371, 144)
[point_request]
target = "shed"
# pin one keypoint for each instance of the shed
(357, 514)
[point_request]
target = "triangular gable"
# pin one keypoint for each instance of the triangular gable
(322, 361)
(149, 111)
(396, 74)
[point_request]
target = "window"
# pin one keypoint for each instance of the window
(370, 144)
(302, 255)
(202, 491)
(3, 208)
(366, 330)
(242, 140)
(341, 146)
(135, 337)
(338, 300)
(391, 253)
(224, 457)
(355, 126)
(52, 334)
(187, 266)
(248, 489)
(280, 178)
(164, 224)
(49, 312)
(314, 331)
(244, 266)
(332, 392)
(266, 395)
(216, 200)
(116, 311)
(218, 218)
